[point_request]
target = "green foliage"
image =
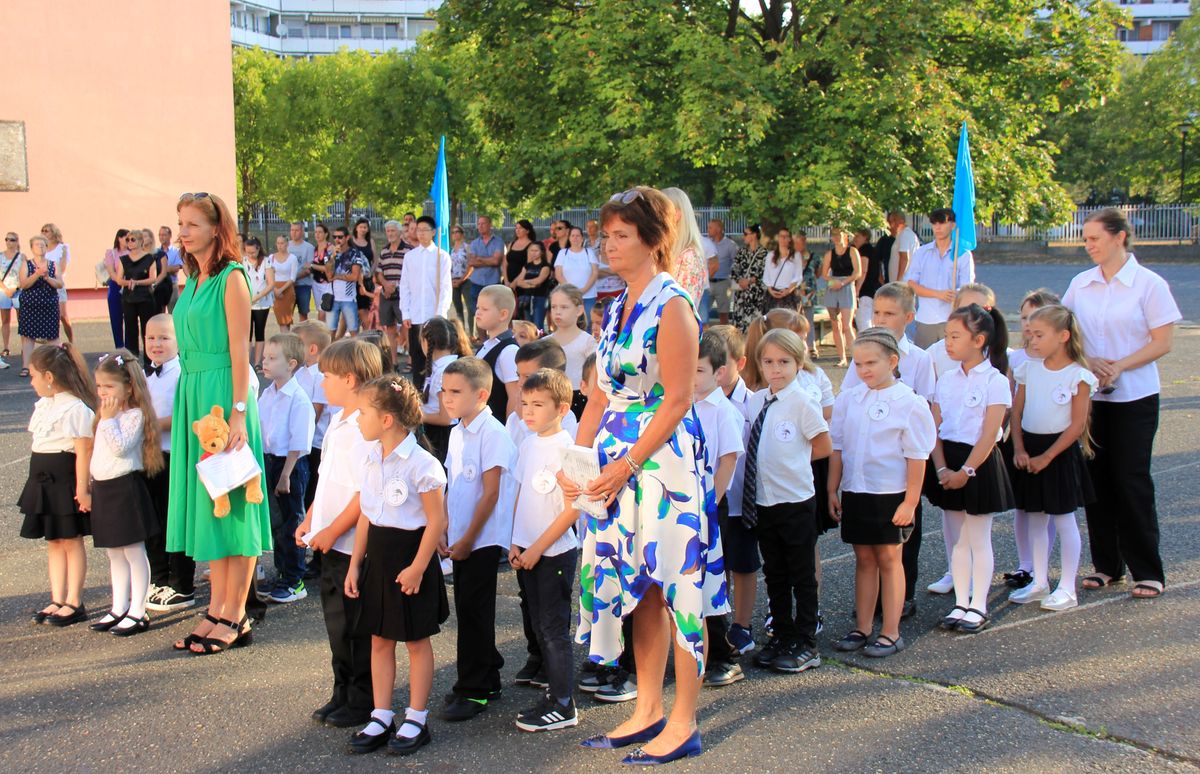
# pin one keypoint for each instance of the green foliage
(255, 74)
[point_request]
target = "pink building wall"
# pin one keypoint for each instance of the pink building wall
(126, 104)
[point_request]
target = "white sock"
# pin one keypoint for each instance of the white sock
(382, 718)
(1036, 536)
(1068, 533)
(1021, 535)
(118, 570)
(407, 730)
(978, 532)
(139, 578)
(960, 556)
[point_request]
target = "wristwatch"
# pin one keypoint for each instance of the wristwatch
(241, 406)
(970, 471)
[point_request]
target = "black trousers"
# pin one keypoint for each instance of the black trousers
(548, 592)
(416, 356)
(310, 492)
(287, 511)
(533, 647)
(175, 569)
(136, 314)
(1123, 521)
(479, 662)
(787, 539)
(351, 653)
(909, 555)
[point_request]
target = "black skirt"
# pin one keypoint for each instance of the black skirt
(1061, 488)
(867, 519)
(48, 499)
(987, 492)
(122, 511)
(820, 474)
(386, 610)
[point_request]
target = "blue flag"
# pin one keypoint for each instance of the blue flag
(964, 197)
(440, 194)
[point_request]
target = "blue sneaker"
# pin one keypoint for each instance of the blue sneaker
(283, 593)
(741, 639)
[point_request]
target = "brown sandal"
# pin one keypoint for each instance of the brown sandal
(1099, 580)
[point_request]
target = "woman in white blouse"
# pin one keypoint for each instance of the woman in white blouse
(286, 266)
(782, 273)
(1127, 316)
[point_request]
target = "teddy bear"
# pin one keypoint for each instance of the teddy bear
(213, 432)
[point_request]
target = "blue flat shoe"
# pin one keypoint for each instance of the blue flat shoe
(603, 742)
(688, 749)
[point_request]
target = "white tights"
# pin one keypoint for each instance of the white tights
(1068, 531)
(1021, 531)
(971, 561)
(130, 571)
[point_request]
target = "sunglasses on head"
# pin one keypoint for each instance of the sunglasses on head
(202, 195)
(625, 197)
(10, 239)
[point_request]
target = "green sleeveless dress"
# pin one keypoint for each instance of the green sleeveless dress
(206, 380)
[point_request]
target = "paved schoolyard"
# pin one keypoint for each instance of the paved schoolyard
(1109, 686)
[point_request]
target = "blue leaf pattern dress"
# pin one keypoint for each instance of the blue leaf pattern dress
(662, 529)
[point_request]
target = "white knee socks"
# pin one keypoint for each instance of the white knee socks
(129, 568)
(1024, 539)
(1042, 529)
(1068, 533)
(118, 570)
(971, 561)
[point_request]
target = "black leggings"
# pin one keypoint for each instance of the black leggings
(137, 314)
(258, 324)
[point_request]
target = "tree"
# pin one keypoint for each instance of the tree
(811, 111)
(255, 73)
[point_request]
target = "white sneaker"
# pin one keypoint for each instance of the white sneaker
(943, 585)
(1030, 593)
(260, 573)
(4, 364)
(1061, 599)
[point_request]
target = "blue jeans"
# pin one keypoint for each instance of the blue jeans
(304, 299)
(287, 511)
(705, 310)
(116, 315)
(347, 308)
(538, 311)
(472, 300)
(588, 303)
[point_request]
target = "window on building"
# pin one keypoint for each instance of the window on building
(418, 26)
(377, 32)
(1162, 30)
(345, 31)
(316, 30)
(391, 31)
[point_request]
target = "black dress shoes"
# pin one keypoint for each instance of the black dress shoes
(347, 717)
(77, 614)
(402, 745)
(324, 711)
(362, 742)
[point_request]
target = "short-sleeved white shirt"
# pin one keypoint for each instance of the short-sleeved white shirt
(781, 276)
(518, 431)
(1116, 319)
(739, 398)
(723, 427)
(964, 398)
(57, 421)
(258, 282)
(906, 242)
(287, 418)
(877, 432)
(785, 446)
(916, 370)
(540, 498)
(506, 363)
(817, 386)
(433, 385)
(931, 269)
(1048, 394)
(343, 456)
(286, 271)
(577, 268)
(312, 381)
(577, 351)
(473, 449)
(391, 488)
(162, 395)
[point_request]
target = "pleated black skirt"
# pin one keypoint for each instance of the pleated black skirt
(122, 511)
(867, 519)
(48, 499)
(1061, 488)
(989, 491)
(386, 610)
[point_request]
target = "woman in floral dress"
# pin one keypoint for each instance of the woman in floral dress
(749, 292)
(657, 554)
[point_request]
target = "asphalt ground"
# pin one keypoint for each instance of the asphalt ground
(1109, 686)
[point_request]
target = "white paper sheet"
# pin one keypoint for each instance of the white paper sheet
(224, 472)
(581, 465)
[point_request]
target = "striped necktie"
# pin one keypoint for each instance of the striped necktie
(750, 490)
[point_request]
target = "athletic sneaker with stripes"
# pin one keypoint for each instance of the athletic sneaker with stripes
(548, 715)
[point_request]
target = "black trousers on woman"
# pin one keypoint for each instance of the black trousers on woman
(137, 314)
(1123, 521)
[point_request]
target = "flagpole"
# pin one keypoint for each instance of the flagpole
(954, 263)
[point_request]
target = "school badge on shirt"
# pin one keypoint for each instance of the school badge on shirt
(785, 431)
(470, 472)
(1062, 396)
(879, 411)
(395, 491)
(974, 397)
(544, 481)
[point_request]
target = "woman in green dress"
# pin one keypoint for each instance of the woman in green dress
(212, 326)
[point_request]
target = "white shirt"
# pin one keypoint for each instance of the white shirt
(304, 253)
(57, 421)
(817, 386)
(942, 363)
(906, 242)
(1048, 394)
(258, 283)
(577, 351)
(118, 449)
(56, 255)
(343, 457)
(577, 268)
(785, 446)
(916, 369)
(723, 427)
(1116, 319)
(433, 385)
(474, 449)
(540, 498)
(391, 489)
(739, 398)
(931, 269)
(963, 399)
(877, 432)
(424, 289)
(162, 394)
(506, 363)
(286, 271)
(518, 431)
(312, 381)
(287, 418)
(781, 276)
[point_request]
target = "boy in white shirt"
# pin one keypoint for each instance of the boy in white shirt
(172, 575)
(480, 528)
(288, 422)
(329, 526)
(315, 336)
(493, 316)
(723, 426)
(544, 546)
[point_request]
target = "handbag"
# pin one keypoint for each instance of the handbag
(326, 302)
(16, 297)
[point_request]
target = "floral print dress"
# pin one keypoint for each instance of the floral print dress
(748, 304)
(662, 528)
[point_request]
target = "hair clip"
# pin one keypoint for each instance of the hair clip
(120, 360)
(102, 357)
(62, 345)
(397, 387)
(987, 308)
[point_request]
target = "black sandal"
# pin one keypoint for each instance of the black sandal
(77, 614)
(1152, 590)
(851, 642)
(245, 633)
(1017, 580)
(186, 642)
(213, 645)
(1099, 580)
(973, 627)
(102, 626)
(40, 616)
(23, 373)
(949, 623)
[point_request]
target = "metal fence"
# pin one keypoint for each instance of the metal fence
(1150, 223)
